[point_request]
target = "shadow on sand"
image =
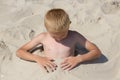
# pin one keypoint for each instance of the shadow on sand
(82, 51)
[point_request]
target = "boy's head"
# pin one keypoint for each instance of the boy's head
(57, 21)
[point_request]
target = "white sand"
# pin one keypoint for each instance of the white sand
(97, 20)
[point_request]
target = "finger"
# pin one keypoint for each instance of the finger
(70, 68)
(43, 68)
(51, 61)
(66, 67)
(48, 68)
(51, 66)
(65, 60)
(65, 64)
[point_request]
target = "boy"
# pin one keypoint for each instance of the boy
(58, 43)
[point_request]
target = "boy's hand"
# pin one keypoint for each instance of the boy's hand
(69, 63)
(46, 63)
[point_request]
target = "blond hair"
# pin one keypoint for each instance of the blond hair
(56, 20)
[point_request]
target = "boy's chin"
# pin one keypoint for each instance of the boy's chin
(59, 39)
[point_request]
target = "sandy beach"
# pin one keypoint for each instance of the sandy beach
(97, 20)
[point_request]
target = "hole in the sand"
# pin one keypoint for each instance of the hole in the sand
(31, 34)
(110, 7)
(39, 47)
(3, 45)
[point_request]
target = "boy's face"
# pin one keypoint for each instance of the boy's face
(59, 35)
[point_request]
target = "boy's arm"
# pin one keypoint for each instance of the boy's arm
(93, 51)
(23, 53)
(44, 62)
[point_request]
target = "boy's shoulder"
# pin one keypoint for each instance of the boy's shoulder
(75, 33)
(43, 34)
(40, 35)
